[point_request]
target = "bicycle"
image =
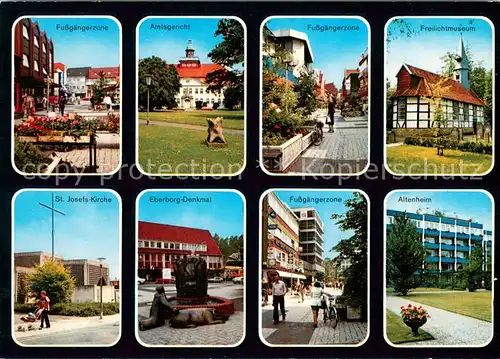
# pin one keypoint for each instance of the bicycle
(317, 137)
(330, 313)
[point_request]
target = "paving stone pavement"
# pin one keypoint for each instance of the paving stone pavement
(343, 151)
(229, 333)
(297, 329)
(446, 327)
(108, 159)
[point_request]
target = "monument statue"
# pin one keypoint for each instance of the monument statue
(215, 135)
(160, 310)
(191, 277)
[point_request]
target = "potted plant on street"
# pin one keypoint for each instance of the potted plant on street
(414, 317)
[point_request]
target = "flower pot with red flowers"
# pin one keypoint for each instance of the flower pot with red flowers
(414, 317)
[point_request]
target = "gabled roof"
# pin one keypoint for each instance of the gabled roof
(169, 233)
(330, 87)
(198, 72)
(432, 84)
(348, 72)
(109, 72)
(78, 71)
(59, 66)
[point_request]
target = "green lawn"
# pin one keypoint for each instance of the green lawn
(169, 150)
(421, 290)
(232, 119)
(407, 159)
(472, 304)
(398, 333)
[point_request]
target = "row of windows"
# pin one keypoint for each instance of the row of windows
(173, 245)
(151, 257)
(202, 100)
(196, 91)
(444, 227)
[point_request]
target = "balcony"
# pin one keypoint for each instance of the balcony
(431, 232)
(447, 234)
(432, 259)
(463, 236)
(475, 237)
(449, 247)
(447, 260)
(462, 248)
(431, 245)
(462, 260)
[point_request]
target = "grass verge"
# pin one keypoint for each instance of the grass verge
(398, 333)
(232, 119)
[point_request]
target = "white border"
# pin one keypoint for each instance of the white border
(112, 18)
(245, 99)
(323, 191)
(136, 266)
(13, 275)
(493, 107)
(384, 315)
(261, 84)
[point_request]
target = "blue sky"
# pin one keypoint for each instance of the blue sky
(425, 48)
(171, 45)
(81, 49)
(87, 231)
(224, 215)
(333, 52)
(333, 234)
(467, 205)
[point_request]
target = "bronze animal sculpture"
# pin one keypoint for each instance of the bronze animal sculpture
(161, 310)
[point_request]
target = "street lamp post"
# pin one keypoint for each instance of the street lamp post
(148, 83)
(53, 211)
(101, 260)
(49, 81)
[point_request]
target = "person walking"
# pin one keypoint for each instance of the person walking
(52, 102)
(331, 114)
(44, 304)
(317, 294)
(302, 289)
(62, 104)
(278, 291)
(108, 101)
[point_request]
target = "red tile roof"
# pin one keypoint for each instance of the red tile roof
(59, 66)
(109, 72)
(432, 84)
(330, 87)
(199, 72)
(169, 233)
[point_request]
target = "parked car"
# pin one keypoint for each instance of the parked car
(238, 280)
(216, 280)
(141, 280)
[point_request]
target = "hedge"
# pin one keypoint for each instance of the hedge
(73, 309)
(449, 144)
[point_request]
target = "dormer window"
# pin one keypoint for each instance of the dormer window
(414, 81)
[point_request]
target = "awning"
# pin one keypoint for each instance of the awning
(290, 275)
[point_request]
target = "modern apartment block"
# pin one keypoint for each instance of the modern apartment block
(449, 241)
(311, 240)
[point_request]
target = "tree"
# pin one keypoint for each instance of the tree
(405, 254)
(474, 270)
(306, 92)
(228, 53)
(320, 276)
(439, 213)
(355, 248)
(53, 278)
(98, 88)
(165, 83)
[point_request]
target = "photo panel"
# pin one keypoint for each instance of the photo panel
(439, 111)
(439, 261)
(66, 93)
(191, 90)
(190, 268)
(315, 267)
(315, 112)
(66, 268)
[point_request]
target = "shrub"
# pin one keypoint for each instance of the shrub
(450, 144)
(53, 278)
(283, 123)
(199, 105)
(88, 309)
(28, 158)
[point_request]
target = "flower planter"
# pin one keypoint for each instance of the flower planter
(27, 138)
(288, 152)
(51, 138)
(414, 324)
(353, 313)
(81, 139)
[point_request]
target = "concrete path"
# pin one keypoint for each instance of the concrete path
(343, 151)
(191, 127)
(297, 329)
(447, 328)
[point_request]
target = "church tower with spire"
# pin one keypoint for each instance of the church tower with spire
(461, 73)
(189, 60)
